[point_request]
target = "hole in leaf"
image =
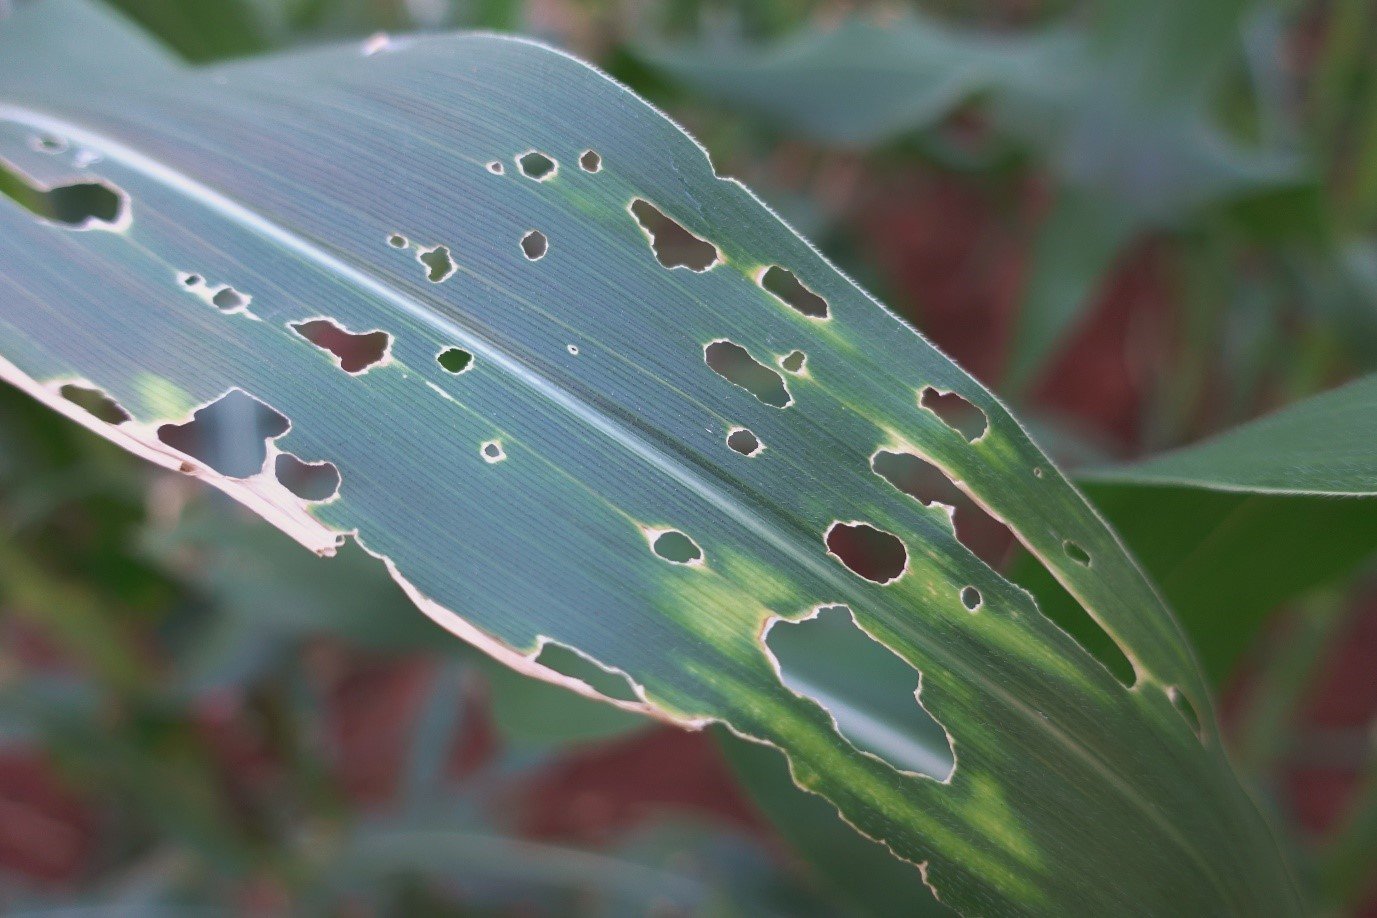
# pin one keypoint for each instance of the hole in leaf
(230, 434)
(229, 299)
(744, 442)
(788, 289)
(867, 552)
(537, 165)
(1076, 553)
(397, 241)
(573, 349)
(193, 280)
(355, 353)
(873, 695)
(95, 402)
(79, 205)
(492, 451)
(954, 411)
(1037, 472)
(310, 481)
(496, 168)
(439, 266)
(971, 598)
(48, 143)
(1058, 605)
(735, 364)
(674, 246)
(568, 662)
(986, 537)
(535, 245)
(590, 161)
(1185, 708)
(455, 359)
(677, 548)
(794, 361)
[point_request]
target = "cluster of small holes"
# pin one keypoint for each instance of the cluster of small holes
(534, 245)
(222, 297)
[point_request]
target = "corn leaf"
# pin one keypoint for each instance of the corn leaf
(603, 415)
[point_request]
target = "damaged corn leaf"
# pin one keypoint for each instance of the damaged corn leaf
(569, 495)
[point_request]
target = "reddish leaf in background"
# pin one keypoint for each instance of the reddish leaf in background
(594, 793)
(47, 833)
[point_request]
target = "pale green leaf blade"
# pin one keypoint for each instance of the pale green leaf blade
(1321, 446)
(518, 500)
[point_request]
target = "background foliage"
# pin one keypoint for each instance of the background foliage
(1142, 224)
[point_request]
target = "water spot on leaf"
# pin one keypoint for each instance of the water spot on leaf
(492, 451)
(230, 434)
(788, 289)
(735, 364)
(675, 547)
(867, 552)
(744, 442)
(873, 695)
(439, 266)
(455, 359)
(355, 352)
(536, 165)
(534, 245)
(95, 402)
(80, 205)
(674, 246)
(794, 362)
(971, 598)
(568, 662)
(310, 481)
(955, 411)
(590, 161)
(1076, 553)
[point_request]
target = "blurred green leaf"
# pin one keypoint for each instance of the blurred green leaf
(1235, 525)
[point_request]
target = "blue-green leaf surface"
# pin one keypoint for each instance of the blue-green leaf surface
(520, 502)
